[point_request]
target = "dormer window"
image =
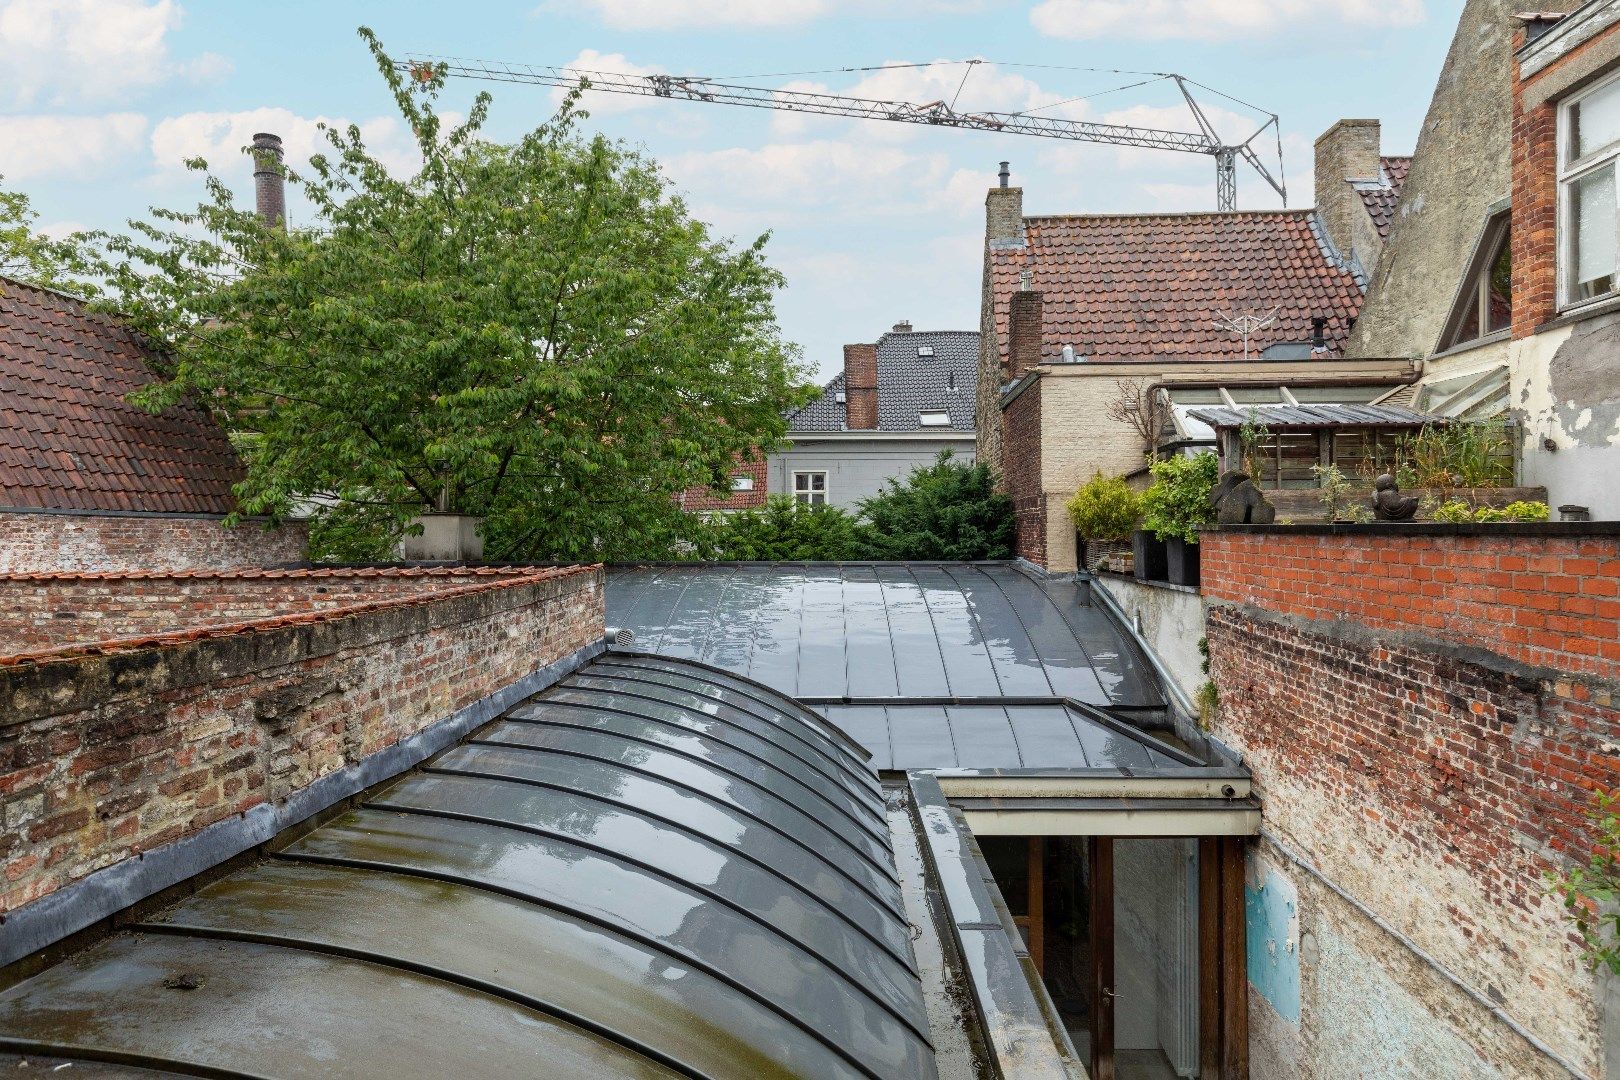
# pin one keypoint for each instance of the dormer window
(1484, 305)
(934, 418)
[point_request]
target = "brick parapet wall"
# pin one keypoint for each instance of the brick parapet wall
(47, 541)
(1021, 421)
(106, 755)
(1427, 718)
(51, 611)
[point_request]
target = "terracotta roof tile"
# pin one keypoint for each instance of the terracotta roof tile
(1380, 201)
(1140, 287)
(69, 440)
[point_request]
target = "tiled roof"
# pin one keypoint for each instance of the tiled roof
(69, 440)
(1150, 286)
(909, 384)
(1380, 200)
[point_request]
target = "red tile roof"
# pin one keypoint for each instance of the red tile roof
(69, 440)
(1141, 287)
(1380, 201)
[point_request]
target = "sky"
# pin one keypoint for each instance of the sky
(871, 222)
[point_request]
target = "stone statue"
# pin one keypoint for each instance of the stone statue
(1388, 502)
(1238, 502)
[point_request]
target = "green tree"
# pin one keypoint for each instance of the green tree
(28, 255)
(1177, 503)
(783, 531)
(946, 510)
(538, 333)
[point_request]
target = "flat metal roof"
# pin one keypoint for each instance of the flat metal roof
(822, 631)
(646, 870)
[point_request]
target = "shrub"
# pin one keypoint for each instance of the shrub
(1338, 495)
(1523, 510)
(1457, 512)
(1589, 892)
(1178, 501)
(1105, 508)
(783, 531)
(1454, 512)
(946, 510)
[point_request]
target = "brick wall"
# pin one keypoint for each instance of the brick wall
(1427, 713)
(67, 541)
(1534, 237)
(41, 611)
(106, 755)
(703, 499)
(1021, 464)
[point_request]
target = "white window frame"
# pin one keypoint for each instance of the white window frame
(934, 418)
(1568, 173)
(742, 483)
(804, 493)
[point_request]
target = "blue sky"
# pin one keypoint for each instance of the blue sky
(871, 222)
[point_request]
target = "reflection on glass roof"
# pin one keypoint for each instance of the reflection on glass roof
(649, 869)
(931, 630)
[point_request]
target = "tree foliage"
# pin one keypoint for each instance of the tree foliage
(945, 510)
(1590, 892)
(538, 333)
(783, 531)
(1178, 500)
(30, 256)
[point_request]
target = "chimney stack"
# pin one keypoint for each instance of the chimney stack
(1004, 214)
(269, 184)
(1349, 150)
(860, 387)
(903, 326)
(1023, 333)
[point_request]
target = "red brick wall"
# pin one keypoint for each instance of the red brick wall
(1534, 237)
(1021, 471)
(860, 387)
(701, 499)
(50, 541)
(105, 756)
(1427, 717)
(40, 611)
(1023, 333)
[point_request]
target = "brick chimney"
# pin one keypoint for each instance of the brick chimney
(269, 185)
(1346, 151)
(1023, 333)
(1004, 214)
(860, 387)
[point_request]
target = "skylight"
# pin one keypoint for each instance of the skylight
(925, 350)
(934, 418)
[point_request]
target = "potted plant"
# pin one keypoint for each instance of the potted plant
(1175, 506)
(1104, 511)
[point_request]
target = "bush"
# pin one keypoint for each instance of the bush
(947, 510)
(1178, 501)
(1105, 508)
(1457, 512)
(1454, 512)
(783, 531)
(1338, 494)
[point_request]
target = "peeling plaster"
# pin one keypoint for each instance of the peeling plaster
(1584, 382)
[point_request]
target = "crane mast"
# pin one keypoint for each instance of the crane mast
(934, 113)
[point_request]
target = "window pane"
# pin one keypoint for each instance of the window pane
(1592, 217)
(1595, 121)
(818, 481)
(1500, 283)
(1468, 328)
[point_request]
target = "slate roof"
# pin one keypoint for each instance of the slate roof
(1380, 200)
(908, 384)
(69, 440)
(1150, 286)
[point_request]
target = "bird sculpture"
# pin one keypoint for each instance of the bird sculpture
(1388, 502)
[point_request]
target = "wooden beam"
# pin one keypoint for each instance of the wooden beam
(1102, 958)
(1209, 958)
(1037, 903)
(1234, 963)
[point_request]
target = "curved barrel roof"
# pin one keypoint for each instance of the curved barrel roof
(649, 869)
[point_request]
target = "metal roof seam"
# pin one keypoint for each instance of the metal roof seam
(37, 1048)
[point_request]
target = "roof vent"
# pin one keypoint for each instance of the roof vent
(1318, 333)
(925, 350)
(1068, 354)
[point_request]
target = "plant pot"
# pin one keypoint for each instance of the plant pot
(1182, 560)
(1148, 556)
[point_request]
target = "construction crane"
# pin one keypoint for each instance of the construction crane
(935, 113)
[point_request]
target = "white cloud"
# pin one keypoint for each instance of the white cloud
(219, 138)
(60, 51)
(67, 146)
(602, 103)
(1212, 19)
(746, 14)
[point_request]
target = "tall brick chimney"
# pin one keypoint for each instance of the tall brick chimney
(269, 185)
(860, 387)
(1004, 214)
(1346, 151)
(1023, 333)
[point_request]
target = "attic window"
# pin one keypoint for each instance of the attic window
(934, 418)
(925, 350)
(742, 483)
(1484, 304)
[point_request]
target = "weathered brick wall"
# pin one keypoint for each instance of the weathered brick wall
(1427, 716)
(1534, 238)
(107, 755)
(1021, 463)
(52, 610)
(32, 542)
